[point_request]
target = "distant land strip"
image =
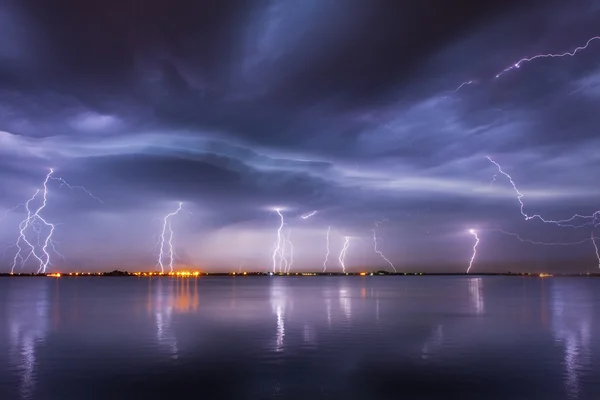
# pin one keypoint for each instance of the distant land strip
(197, 274)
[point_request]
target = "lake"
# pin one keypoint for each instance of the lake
(390, 337)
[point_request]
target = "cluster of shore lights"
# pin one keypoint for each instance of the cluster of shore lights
(180, 274)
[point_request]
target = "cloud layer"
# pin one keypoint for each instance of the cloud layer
(343, 108)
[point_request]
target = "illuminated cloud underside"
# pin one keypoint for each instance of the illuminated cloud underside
(278, 105)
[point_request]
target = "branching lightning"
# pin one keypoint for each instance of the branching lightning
(37, 223)
(342, 257)
(378, 251)
(327, 249)
(166, 239)
(65, 183)
(542, 243)
(557, 55)
(291, 251)
(279, 244)
(11, 210)
(590, 239)
(593, 238)
(474, 233)
(569, 222)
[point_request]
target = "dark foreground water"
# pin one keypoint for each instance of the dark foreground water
(300, 338)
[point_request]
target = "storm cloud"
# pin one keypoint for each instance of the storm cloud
(348, 108)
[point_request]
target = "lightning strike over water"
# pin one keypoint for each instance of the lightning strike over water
(557, 55)
(37, 223)
(474, 233)
(379, 252)
(593, 238)
(569, 222)
(278, 244)
(170, 253)
(342, 257)
(327, 249)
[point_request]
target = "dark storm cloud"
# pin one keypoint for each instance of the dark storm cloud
(348, 108)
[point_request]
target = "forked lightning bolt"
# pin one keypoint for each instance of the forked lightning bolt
(279, 244)
(291, 252)
(378, 251)
(326, 249)
(342, 257)
(593, 238)
(37, 223)
(474, 233)
(569, 222)
(166, 240)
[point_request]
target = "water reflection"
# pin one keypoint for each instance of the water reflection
(278, 300)
(433, 343)
(166, 298)
(349, 338)
(28, 320)
(328, 310)
(571, 325)
(476, 295)
(345, 301)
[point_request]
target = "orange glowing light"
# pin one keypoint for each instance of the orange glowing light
(363, 273)
(56, 275)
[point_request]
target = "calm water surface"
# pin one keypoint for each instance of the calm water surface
(300, 338)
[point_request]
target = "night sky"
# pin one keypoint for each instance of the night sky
(347, 108)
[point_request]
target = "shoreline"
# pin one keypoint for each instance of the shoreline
(196, 274)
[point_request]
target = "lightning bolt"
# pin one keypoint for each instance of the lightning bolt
(596, 248)
(166, 238)
(474, 233)
(493, 179)
(278, 243)
(569, 222)
(462, 85)
(542, 243)
(310, 214)
(379, 252)
(342, 257)
(65, 183)
(327, 248)
(36, 222)
(590, 239)
(522, 61)
(557, 55)
(11, 210)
